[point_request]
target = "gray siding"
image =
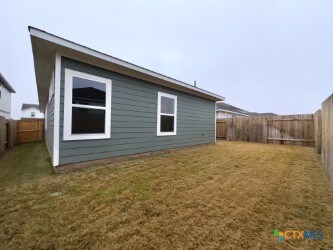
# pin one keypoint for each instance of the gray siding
(50, 126)
(134, 119)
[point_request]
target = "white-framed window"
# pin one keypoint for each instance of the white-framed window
(87, 108)
(33, 114)
(166, 114)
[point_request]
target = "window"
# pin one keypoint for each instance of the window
(166, 114)
(87, 110)
(33, 114)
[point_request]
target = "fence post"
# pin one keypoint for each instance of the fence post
(3, 133)
(267, 130)
(12, 124)
(327, 138)
(318, 130)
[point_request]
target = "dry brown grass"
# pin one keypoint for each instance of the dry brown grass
(228, 195)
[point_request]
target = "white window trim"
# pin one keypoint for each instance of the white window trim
(68, 136)
(159, 133)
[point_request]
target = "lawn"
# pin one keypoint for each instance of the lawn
(228, 195)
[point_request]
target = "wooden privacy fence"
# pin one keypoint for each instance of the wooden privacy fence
(30, 130)
(14, 132)
(287, 129)
(292, 130)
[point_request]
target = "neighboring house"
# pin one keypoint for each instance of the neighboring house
(98, 106)
(31, 111)
(224, 110)
(5, 97)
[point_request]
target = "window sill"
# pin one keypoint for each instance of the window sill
(166, 133)
(86, 137)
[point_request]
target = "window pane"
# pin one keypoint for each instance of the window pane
(167, 123)
(88, 92)
(167, 105)
(88, 121)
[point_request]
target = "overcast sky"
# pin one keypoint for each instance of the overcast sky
(263, 56)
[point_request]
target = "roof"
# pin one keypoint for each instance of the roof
(4, 82)
(262, 114)
(45, 46)
(27, 106)
(222, 106)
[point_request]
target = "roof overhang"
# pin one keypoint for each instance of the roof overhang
(5, 83)
(45, 46)
(29, 108)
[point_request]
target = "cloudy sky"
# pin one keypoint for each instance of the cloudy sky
(263, 56)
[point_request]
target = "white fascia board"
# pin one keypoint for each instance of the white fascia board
(80, 48)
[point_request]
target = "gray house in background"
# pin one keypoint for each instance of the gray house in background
(6, 92)
(224, 110)
(31, 111)
(97, 106)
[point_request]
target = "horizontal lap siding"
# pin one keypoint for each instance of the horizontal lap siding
(49, 133)
(134, 119)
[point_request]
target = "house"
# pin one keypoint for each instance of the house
(5, 97)
(99, 107)
(31, 111)
(224, 110)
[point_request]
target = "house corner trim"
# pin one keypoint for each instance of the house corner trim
(57, 77)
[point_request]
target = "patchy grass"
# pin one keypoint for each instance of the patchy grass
(229, 195)
(26, 163)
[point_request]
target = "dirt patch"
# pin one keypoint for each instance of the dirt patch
(228, 195)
